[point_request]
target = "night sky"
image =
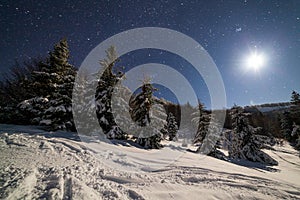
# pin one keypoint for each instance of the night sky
(228, 30)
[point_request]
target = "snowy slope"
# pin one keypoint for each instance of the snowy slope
(37, 166)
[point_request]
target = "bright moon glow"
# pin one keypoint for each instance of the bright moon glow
(255, 61)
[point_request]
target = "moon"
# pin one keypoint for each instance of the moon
(255, 61)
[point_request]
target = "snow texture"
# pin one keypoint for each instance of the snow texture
(47, 166)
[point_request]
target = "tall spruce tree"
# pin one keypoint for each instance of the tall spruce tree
(240, 130)
(140, 107)
(53, 85)
(295, 118)
(59, 113)
(243, 141)
(296, 136)
(295, 108)
(286, 125)
(211, 141)
(84, 104)
(172, 127)
(291, 118)
(295, 98)
(120, 109)
(103, 96)
(201, 120)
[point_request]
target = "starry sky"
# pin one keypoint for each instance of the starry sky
(228, 30)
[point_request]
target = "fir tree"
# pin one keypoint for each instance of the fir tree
(286, 125)
(294, 114)
(63, 74)
(185, 123)
(295, 98)
(201, 120)
(296, 136)
(140, 105)
(172, 127)
(84, 104)
(240, 130)
(34, 109)
(243, 142)
(120, 109)
(53, 85)
(211, 142)
(103, 96)
(187, 111)
(15, 89)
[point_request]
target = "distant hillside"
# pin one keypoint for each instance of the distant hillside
(268, 116)
(268, 107)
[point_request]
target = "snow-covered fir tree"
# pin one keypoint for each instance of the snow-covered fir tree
(158, 123)
(120, 109)
(105, 87)
(201, 121)
(172, 127)
(61, 80)
(296, 135)
(286, 125)
(210, 143)
(140, 109)
(84, 104)
(187, 128)
(243, 144)
(82, 107)
(53, 85)
(295, 98)
(295, 108)
(239, 130)
(290, 120)
(34, 109)
(15, 88)
(186, 116)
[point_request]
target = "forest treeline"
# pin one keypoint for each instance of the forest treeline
(39, 92)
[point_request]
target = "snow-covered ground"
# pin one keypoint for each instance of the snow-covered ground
(36, 164)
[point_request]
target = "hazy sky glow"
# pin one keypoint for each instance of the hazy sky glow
(229, 30)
